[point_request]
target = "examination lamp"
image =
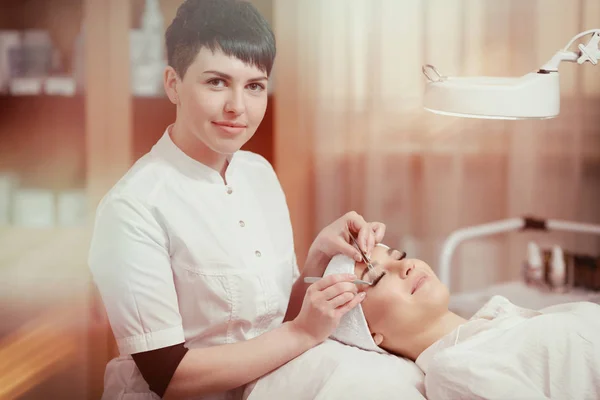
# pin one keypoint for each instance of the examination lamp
(532, 96)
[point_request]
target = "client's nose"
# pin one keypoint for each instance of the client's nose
(406, 268)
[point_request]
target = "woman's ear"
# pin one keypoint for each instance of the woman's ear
(171, 84)
(377, 338)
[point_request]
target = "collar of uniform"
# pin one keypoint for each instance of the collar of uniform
(166, 149)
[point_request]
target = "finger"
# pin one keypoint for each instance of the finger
(371, 242)
(355, 222)
(348, 250)
(330, 280)
(341, 300)
(339, 288)
(379, 230)
(340, 311)
(363, 237)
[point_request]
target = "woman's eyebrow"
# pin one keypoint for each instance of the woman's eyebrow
(402, 254)
(229, 77)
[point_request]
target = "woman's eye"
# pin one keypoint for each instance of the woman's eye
(217, 82)
(256, 87)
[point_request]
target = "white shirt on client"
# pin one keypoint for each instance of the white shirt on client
(507, 352)
(180, 256)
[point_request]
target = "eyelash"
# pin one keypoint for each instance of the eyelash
(261, 87)
(376, 280)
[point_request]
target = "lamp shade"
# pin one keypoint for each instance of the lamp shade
(532, 96)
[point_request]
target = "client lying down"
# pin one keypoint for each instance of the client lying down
(502, 352)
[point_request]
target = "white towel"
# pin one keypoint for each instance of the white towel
(353, 329)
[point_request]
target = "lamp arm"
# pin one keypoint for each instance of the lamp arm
(560, 56)
(589, 52)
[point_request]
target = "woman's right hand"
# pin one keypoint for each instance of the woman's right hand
(325, 302)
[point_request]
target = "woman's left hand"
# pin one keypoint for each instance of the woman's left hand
(335, 239)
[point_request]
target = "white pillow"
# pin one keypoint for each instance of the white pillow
(334, 370)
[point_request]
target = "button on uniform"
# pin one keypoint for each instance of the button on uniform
(229, 190)
(257, 253)
(242, 224)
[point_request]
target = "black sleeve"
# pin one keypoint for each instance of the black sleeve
(158, 366)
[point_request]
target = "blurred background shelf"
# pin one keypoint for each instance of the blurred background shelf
(63, 18)
(42, 140)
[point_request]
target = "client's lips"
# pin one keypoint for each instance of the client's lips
(418, 283)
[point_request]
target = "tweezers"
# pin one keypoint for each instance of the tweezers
(313, 279)
(366, 259)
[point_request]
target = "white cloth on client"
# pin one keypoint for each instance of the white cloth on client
(353, 329)
(508, 352)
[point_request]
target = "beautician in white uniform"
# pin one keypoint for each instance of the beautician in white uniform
(192, 249)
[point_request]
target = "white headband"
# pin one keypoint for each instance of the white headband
(353, 329)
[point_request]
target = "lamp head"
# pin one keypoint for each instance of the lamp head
(532, 96)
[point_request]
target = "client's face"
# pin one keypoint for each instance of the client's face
(404, 301)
